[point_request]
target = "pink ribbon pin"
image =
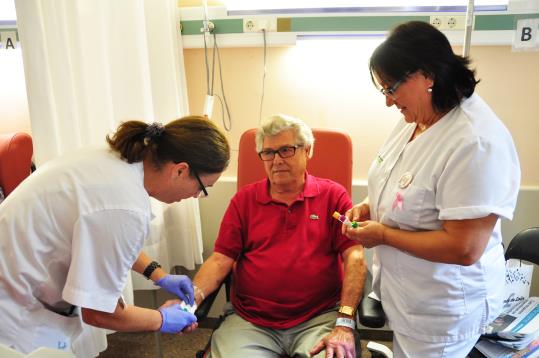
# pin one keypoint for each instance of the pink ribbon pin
(398, 202)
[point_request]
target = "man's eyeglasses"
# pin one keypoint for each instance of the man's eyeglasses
(202, 190)
(284, 152)
(390, 92)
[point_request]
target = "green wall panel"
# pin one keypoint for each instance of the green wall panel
(350, 23)
(500, 22)
(225, 26)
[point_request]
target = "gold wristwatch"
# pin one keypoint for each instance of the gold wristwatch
(347, 310)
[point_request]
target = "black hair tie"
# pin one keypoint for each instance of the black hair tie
(153, 131)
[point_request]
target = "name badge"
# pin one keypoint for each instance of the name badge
(405, 180)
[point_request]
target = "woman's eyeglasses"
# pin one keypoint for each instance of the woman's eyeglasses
(284, 152)
(390, 92)
(202, 189)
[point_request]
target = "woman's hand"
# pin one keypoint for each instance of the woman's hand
(175, 319)
(359, 212)
(368, 233)
(179, 285)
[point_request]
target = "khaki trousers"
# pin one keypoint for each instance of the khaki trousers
(237, 337)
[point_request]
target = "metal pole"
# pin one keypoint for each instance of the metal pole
(469, 28)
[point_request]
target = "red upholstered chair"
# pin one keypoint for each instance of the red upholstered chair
(332, 159)
(15, 159)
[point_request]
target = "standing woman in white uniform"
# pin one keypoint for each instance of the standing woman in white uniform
(436, 192)
(71, 232)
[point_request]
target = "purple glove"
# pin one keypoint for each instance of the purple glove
(175, 319)
(179, 285)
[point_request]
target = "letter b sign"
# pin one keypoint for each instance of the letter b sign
(526, 35)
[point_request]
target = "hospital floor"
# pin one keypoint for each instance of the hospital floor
(143, 345)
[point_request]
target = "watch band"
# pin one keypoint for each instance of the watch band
(150, 269)
(347, 310)
(345, 322)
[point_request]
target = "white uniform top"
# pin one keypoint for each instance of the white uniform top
(465, 166)
(69, 236)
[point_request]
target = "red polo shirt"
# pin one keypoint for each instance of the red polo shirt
(287, 257)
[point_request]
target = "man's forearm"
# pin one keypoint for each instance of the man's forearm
(355, 270)
(211, 275)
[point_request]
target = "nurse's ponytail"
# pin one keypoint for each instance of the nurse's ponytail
(194, 140)
(129, 141)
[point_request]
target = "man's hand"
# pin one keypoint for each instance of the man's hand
(339, 343)
(179, 285)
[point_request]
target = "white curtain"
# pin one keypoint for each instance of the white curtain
(91, 64)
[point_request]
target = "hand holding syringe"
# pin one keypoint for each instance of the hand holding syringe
(345, 220)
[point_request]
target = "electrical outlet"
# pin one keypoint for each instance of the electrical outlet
(448, 22)
(455, 22)
(259, 24)
(249, 25)
(436, 21)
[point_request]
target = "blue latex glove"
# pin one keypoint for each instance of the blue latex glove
(179, 285)
(175, 319)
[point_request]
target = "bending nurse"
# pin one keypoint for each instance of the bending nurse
(436, 192)
(71, 232)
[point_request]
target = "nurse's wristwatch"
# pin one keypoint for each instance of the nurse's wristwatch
(346, 317)
(150, 269)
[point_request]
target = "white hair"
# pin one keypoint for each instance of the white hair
(278, 123)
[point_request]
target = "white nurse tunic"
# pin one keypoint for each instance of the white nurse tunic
(69, 236)
(465, 166)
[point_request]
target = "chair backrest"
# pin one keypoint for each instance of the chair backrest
(524, 246)
(332, 158)
(15, 159)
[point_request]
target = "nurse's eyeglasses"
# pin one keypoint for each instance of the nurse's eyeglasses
(390, 92)
(202, 189)
(286, 151)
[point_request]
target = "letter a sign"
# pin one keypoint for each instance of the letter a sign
(8, 40)
(526, 35)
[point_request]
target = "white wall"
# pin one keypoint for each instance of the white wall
(13, 105)
(327, 84)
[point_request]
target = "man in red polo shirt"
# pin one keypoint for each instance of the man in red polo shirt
(278, 236)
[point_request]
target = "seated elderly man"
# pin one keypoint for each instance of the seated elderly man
(289, 296)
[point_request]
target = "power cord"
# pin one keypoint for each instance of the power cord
(210, 83)
(223, 100)
(263, 78)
